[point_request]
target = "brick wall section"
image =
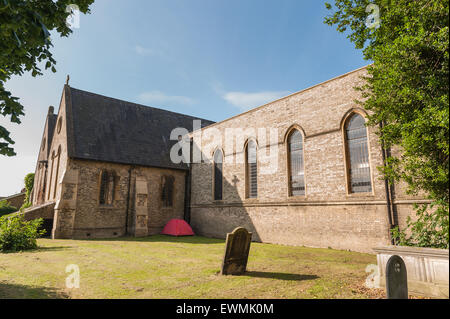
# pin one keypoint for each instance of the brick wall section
(58, 146)
(100, 221)
(40, 177)
(328, 216)
(77, 213)
(15, 200)
(45, 211)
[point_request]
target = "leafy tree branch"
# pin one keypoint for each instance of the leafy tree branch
(406, 89)
(25, 44)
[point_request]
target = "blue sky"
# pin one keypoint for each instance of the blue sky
(208, 58)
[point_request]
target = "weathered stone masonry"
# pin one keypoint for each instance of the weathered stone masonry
(328, 215)
(143, 215)
(104, 167)
(92, 134)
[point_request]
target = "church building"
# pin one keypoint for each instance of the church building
(301, 170)
(104, 168)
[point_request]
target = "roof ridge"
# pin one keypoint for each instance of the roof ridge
(138, 105)
(285, 97)
(111, 130)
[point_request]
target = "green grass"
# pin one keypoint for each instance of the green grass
(185, 267)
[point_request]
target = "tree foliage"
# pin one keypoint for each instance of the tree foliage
(29, 182)
(6, 208)
(406, 89)
(25, 45)
(17, 234)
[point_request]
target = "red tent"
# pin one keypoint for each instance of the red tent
(177, 227)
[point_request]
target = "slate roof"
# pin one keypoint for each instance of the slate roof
(110, 130)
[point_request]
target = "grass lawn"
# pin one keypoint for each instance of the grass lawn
(185, 267)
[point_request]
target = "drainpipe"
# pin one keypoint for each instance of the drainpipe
(387, 188)
(187, 187)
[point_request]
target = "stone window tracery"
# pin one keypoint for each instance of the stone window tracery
(296, 164)
(358, 166)
(218, 175)
(167, 190)
(251, 169)
(107, 187)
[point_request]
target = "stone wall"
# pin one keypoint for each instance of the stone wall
(73, 187)
(137, 201)
(48, 174)
(45, 211)
(328, 215)
(158, 215)
(356, 227)
(58, 157)
(40, 177)
(427, 269)
(16, 200)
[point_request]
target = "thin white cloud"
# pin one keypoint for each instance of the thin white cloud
(246, 101)
(146, 51)
(157, 97)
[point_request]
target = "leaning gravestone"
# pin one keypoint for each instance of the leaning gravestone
(396, 278)
(237, 248)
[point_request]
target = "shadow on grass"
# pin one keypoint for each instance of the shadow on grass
(280, 276)
(39, 249)
(15, 291)
(56, 248)
(164, 238)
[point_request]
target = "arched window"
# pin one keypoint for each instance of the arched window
(104, 188)
(218, 174)
(59, 125)
(252, 170)
(296, 164)
(358, 167)
(58, 156)
(52, 158)
(107, 187)
(40, 193)
(167, 191)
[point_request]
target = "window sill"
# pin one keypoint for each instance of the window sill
(298, 198)
(358, 195)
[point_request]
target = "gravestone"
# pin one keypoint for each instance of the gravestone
(396, 278)
(237, 248)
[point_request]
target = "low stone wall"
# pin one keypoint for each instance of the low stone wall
(427, 269)
(16, 200)
(45, 211)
